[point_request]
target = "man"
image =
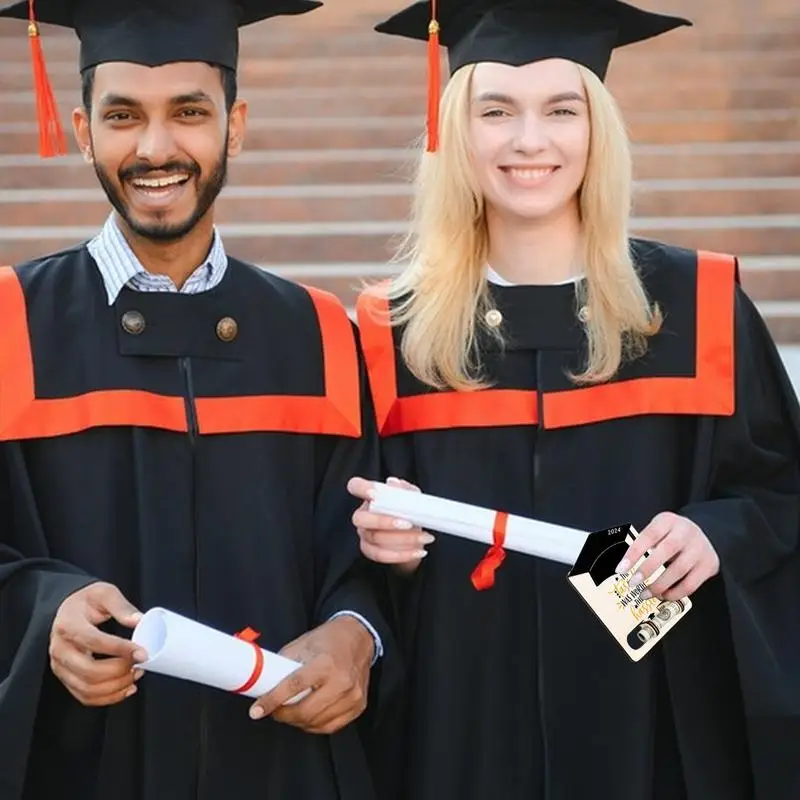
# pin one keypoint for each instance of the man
(176, 429)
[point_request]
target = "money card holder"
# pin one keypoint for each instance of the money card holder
(636, 624)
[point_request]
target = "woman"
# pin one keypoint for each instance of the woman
(539, 361)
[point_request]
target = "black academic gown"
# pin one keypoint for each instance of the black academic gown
(518, 692)
(197, 466)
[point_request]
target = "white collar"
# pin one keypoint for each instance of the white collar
(499, 280)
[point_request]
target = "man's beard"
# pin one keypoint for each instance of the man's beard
(207, 193)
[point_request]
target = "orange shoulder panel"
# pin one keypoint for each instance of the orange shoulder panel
(433, 410)
(24, 416)
(711, 391)
(337, 412)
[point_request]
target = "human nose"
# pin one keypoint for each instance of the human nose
(156, 144)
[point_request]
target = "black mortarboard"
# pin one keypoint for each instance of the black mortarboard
(148, 32)
(518, 32)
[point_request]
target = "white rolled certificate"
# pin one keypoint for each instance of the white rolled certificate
(523, 535)
(182, 648)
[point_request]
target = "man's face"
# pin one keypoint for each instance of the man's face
(160, 139)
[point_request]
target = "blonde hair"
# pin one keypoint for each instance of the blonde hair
(442, 295)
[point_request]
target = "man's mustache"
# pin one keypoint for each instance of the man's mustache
(148, 170)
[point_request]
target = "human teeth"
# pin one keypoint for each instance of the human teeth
(531, 174)
(155, 183)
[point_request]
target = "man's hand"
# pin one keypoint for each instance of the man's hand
(336, 659)
(75, 641)
(680, 545)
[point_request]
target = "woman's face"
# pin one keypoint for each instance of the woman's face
(529, 134)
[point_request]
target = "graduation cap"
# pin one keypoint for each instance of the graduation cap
(518, 32)
(147, 32)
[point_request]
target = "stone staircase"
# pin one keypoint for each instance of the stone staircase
(714, 113)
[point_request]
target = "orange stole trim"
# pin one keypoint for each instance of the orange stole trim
(487, 408)
(16, 366)
(24, 416)
(338, 412)
(711, 390)
(63, 416)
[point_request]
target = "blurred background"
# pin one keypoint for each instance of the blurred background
(713, 111)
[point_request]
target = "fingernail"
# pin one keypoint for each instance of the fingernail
(136, 618)
(426, 538)
(646, 594)
(131, 691)
(623, 566)
(256, 712)
(403, 524)
(637, 579)
(393, 480)
(420, 554)
(140, 655)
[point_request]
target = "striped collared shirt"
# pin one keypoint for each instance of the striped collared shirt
(120, 267)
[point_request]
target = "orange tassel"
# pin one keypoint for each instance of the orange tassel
(434, 89)
(52, 141)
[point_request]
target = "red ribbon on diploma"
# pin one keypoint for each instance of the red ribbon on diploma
(250, 636)
(483, 574)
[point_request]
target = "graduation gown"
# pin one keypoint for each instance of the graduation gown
(519, 692)
(193, 450)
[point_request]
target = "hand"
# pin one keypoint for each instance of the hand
(336, 659)
(680, 545)
(75, 641)
(388, 540)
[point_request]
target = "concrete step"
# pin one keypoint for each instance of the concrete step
(321, 203)
(707, 160)
(783, 319)
(764, 278)
(310, 35)
(403, 131)
(731, 160)
(717, 197)
(771, 279)
(251, 168)
(347, 279)
(372, 240)
(276, 133)
(790, 354)
(355, 73)
(310, 65)
(304, 42)
(390, 201)
(402, 91)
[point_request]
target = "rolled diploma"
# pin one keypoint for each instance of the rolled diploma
(523, 535)
(182, 648)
